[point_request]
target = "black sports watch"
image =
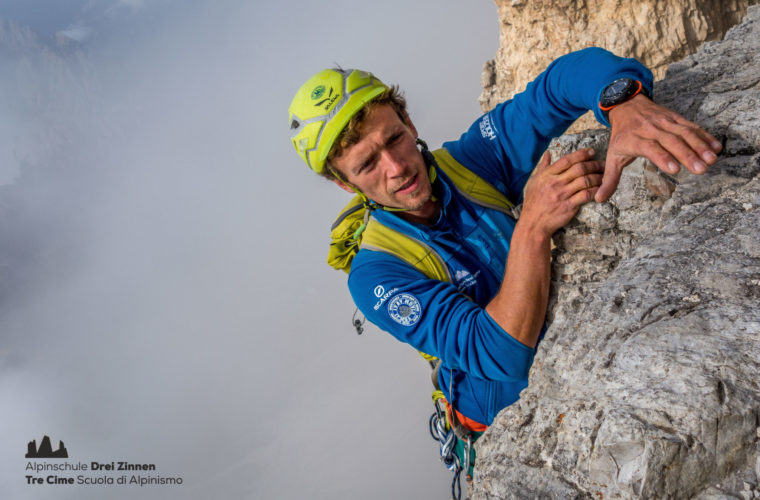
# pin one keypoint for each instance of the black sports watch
(618, 92)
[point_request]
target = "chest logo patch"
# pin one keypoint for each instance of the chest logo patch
(405, 309)
(465, 279)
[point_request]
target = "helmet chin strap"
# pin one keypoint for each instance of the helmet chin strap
(429, 160)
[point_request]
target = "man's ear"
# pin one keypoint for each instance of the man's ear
(343, 186)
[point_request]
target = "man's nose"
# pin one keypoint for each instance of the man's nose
(393, 165)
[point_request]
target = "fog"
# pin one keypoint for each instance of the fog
(164, 296)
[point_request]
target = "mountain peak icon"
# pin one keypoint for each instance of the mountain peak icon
(45, 450)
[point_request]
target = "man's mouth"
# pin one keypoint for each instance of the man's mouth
(408, 187)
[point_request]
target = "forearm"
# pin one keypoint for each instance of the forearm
(553, 196)
(520, 306)
(573, 83)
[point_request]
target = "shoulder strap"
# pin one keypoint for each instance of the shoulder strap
(410, 250)
(347, 237)
(470, 185)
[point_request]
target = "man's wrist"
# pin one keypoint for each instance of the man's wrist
(619, 92)
(623, 108)
(531, 234)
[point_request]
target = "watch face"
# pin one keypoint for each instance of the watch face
(618, 91)
(617, 87)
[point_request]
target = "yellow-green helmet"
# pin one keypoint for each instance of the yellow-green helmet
(323, 106)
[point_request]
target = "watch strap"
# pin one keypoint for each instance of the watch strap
(640, 90)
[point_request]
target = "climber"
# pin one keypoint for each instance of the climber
(425, 239)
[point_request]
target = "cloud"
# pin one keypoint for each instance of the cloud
(78, 32)
(166, 296)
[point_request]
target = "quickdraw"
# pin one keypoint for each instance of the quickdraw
(443, 432)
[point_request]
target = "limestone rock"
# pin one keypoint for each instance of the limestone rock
(646, 384)
(656, 32)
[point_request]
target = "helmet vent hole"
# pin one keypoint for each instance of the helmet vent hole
(294, 125)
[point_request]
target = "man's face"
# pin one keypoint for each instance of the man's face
(386, 165)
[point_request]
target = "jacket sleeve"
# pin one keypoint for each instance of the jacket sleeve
(435, 318)
(505, 144)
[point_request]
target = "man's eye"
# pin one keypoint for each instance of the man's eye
(396, 138)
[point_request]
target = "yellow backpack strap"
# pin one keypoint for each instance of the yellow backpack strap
(410, 250)
(470, 185)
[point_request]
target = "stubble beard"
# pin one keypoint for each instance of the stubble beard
(412, 205)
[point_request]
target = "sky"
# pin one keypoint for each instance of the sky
(164, 296)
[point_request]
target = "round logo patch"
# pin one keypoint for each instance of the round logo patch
(405, 309)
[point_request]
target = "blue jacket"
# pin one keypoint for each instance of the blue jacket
(483, 368)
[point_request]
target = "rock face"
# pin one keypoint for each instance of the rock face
(656, 32)
(646, 384)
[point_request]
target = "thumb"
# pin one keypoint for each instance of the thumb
(610, 179)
